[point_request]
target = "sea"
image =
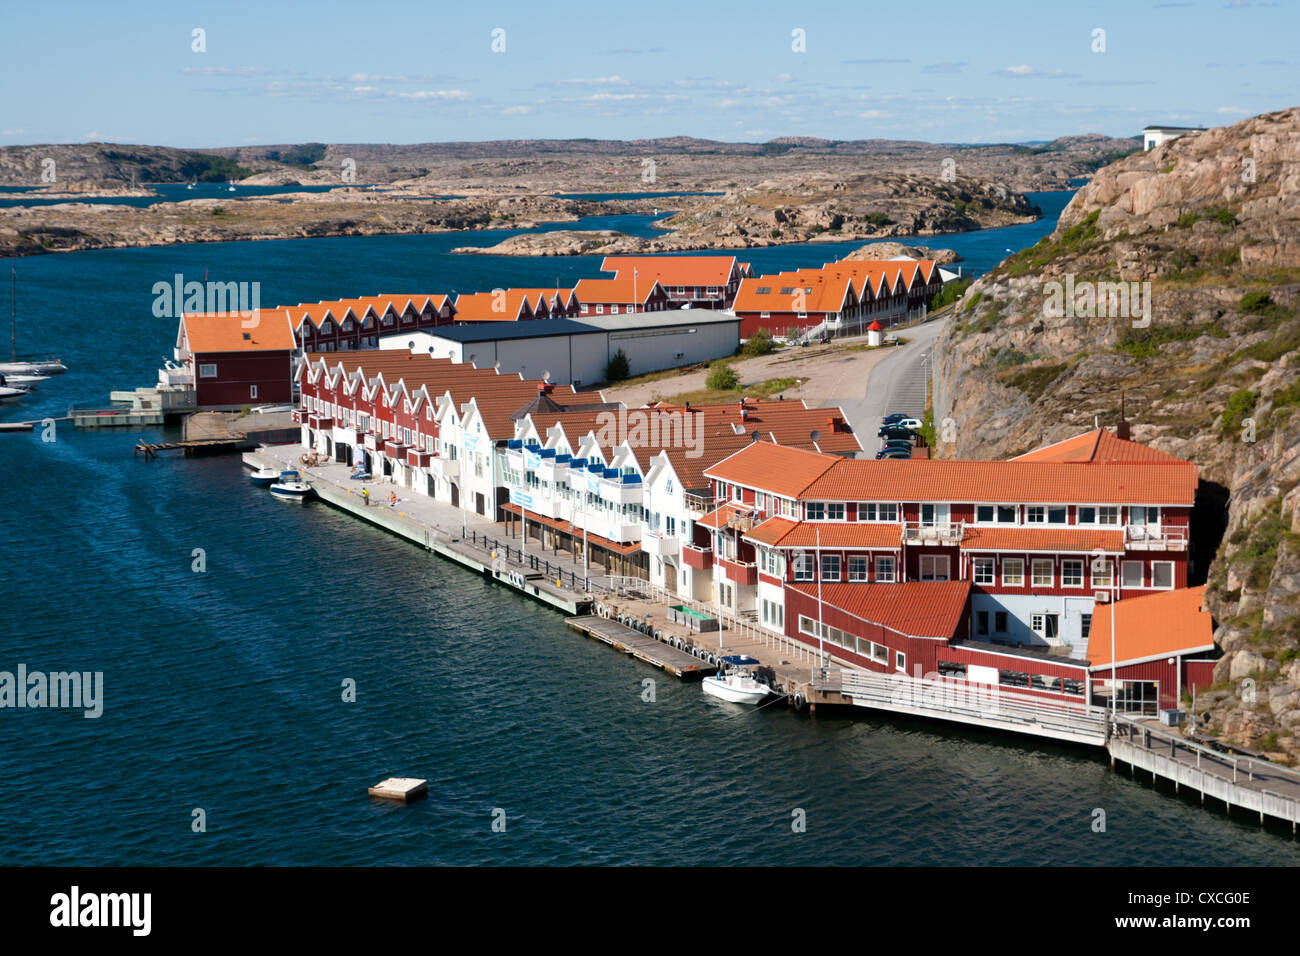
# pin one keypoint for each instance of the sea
(263, 662)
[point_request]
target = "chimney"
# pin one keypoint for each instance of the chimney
(1122, 429)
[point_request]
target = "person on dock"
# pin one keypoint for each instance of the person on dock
(392, 499)
(365, 496)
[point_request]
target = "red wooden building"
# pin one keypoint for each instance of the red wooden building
(235, 359)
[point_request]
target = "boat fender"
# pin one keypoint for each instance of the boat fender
(689, 648)
(712, 659)
(799, 702)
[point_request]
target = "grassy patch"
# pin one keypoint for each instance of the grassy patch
(1032, 380)
(710, 396)
(1238, 409)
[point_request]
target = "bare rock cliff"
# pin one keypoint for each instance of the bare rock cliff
(1172, 278)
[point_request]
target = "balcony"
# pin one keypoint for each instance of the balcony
(444, 467)
(371, 442)
(697, 506)
(1149, 538)
(297, 416)
(320, 421)
(618, 529)
(621, 489)
(418, 459)
(741, 572)
(949, 533)
(659, 544)
(699, 558)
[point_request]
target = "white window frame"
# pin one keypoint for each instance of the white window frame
(1104, 579)
(835, 560)
(1051, 572)
(1123, 574)
(1172, 576)
(988, 565)
(208, 370)
(886, 576)
(862, 573)
(1066, 565)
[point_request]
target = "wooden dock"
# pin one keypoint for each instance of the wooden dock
(1236, 780)
(643, 647)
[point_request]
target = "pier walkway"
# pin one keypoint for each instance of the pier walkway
(1237, 780)
(470, 540)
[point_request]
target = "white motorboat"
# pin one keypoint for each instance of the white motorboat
(264, 476)
(291, 486)
(10, 394)
(44, 368)
(735, 682)
(21, 381)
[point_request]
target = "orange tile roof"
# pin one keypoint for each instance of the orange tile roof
(674, 270)
(1098, 445)
(1071, 538)
(914, 608)
(1150, 627)
(820, 294)
(338, 309)
(994, 481)
(794, 472)
(785, 421)
(268, 330)
(784, 533)
(506, 305)
(779, 469)
(615, 291)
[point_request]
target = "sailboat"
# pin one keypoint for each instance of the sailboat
(40, 367)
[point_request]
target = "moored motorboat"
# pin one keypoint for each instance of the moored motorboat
(290, 485)
(11, 394)
(735, 682)
(264, 476)
(45, 368)
(21, 381)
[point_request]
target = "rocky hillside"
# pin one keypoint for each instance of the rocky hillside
(74, 165)
(1206, 231)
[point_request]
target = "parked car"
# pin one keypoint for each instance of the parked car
(902, 443)
(913, 423)
(892, 417)
(896, 454)
(894, 431)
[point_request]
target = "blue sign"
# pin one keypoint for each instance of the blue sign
(517, 497)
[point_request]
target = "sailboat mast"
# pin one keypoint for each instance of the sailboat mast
(13, 313)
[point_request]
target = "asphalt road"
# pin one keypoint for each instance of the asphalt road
(894, 384)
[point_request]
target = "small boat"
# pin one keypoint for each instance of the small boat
(10, 394)
(291, 486)
(42, 367)
(735, 682)
(264, 476)
(21, 381)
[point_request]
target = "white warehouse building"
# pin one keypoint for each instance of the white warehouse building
(576, 352)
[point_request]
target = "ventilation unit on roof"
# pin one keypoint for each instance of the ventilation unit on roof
(1101, 597)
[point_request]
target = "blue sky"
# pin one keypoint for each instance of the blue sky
(418, 72)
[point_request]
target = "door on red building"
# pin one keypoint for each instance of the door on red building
(455, 495)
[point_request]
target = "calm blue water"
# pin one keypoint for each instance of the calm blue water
(167, 192)
(222, 689)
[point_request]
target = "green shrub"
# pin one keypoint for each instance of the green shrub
(760, 343)
(722, 378)
(1255, 301)
(1238, 409)
(617, 368)
(951, 292)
